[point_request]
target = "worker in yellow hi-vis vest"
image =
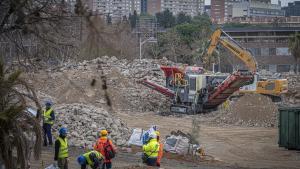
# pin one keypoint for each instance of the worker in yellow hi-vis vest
(48, 121)
(94, 159)
(62, 149)
(226, 105)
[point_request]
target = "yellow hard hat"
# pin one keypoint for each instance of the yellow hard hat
(103, 132)
(157, 133)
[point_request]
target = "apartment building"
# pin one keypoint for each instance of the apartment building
(217, 11)
(223, 11)
(268, 45)
(207, 9)
(144, 4)
(153, 6)
(116, 9)
(134, 5)
(293, 9)
(190, 7)
(254, 8)
(290, 21)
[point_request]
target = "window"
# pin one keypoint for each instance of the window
(256, 51)
(192, 83)
(283, 68)
(265, 52)
(272, 51)
(282, 51)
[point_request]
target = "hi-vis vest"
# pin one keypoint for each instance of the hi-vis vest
(152, 148)
(87, 157)
(63, 150)
(47, 117)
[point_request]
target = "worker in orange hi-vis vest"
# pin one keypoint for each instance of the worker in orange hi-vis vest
(161, 149)
(106, 148)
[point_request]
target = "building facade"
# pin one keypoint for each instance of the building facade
(253, 8)
(134, 5)
(223, 11)
(268, 45)
(217, 11)
(293, 9)
(144, 4)
(207, 10)
(291, 21)
(153, 6)
(190, 7)
(116, 9)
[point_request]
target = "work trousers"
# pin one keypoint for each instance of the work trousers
(151, 161)
(47, 134)
(62, 163)
(107, 165)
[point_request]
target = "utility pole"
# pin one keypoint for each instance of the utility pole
(150, 40)
(146, 29)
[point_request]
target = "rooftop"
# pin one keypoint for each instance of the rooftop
(263, 29)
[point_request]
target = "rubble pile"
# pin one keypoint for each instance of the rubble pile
(292, 97)
(85, 121)
(71, 83)
(251, 110)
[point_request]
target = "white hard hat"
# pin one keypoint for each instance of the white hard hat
(152, 135)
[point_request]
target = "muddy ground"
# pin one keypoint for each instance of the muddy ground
(226, 147)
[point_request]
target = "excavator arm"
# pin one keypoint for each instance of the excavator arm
(238, 51)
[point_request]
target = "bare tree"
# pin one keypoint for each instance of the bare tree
(37, 29)
(294, 48)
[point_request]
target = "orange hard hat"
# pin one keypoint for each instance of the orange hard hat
(103, 132)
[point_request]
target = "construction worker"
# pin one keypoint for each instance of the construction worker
(93, 159)
(106, 148)
(61, 149)
(151, 150)
(161, 149)
(226, 105)
(48, 120)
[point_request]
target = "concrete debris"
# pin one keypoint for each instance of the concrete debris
(72, 83)
(85, 121)
(82, 83)
(251, 110)
(181, 143)
(292, 97)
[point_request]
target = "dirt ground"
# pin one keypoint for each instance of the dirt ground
(229, 147)
(229, 139)
(234, 146)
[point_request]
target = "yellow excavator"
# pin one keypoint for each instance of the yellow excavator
(273, 88)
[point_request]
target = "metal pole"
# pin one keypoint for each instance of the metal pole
(80, 27)
(219, 64)
(140, 48)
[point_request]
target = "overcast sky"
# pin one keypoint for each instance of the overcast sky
(283, 2)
